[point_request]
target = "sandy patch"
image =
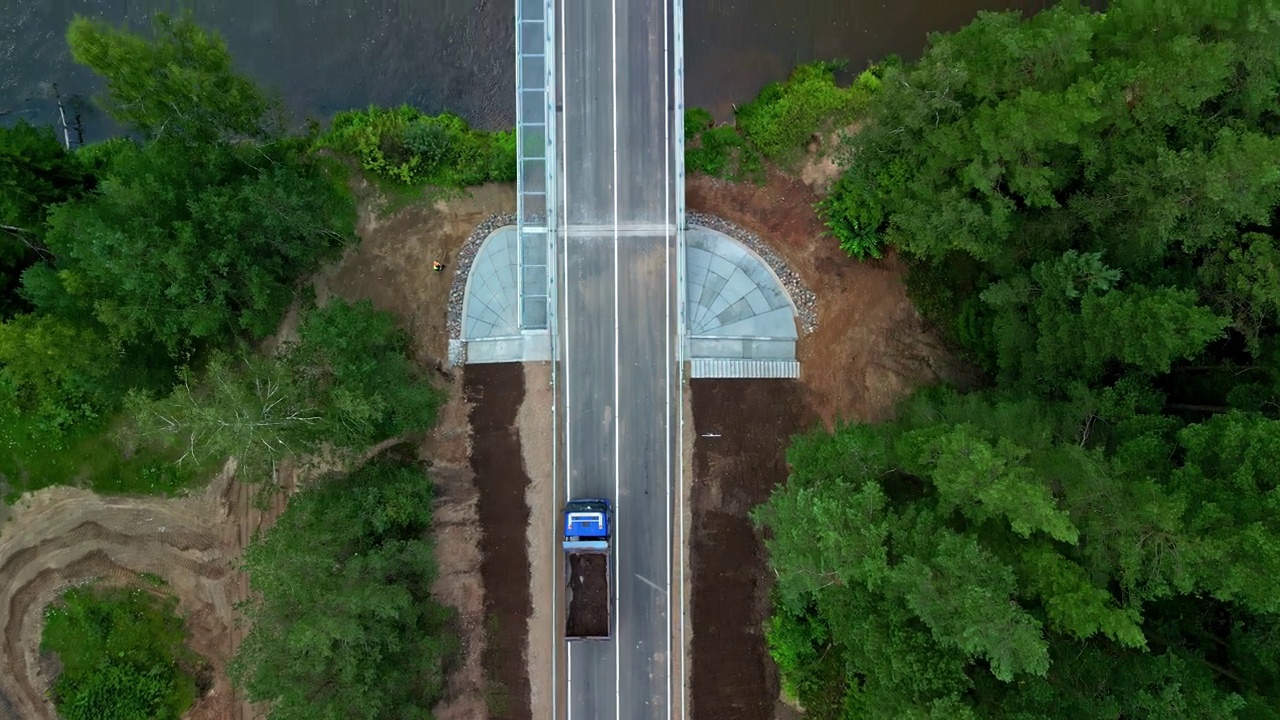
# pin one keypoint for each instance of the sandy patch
(456, 530)
(818, 168)
(537, 435)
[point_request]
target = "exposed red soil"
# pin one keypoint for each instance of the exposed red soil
(742, 427)
(871, 347)
(494, 393)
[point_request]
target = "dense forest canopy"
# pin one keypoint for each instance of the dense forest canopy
(1088, 205)
(127, 259)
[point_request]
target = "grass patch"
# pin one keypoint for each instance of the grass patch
(102, 458)
(777, 126)
(719, 151)
(407, 147)
(123, 655)
(496, 695)
(152, 579)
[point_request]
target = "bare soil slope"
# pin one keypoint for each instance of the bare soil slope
(62, 536)
(495, 393)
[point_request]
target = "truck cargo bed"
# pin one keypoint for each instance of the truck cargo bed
(587, 603)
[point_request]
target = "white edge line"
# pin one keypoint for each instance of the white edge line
(667, 189)
(564, 287)
(617, 386)
(678, 109)
(549, 54)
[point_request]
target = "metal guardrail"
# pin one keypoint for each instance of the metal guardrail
(535, 141)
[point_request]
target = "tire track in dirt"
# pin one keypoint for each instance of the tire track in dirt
(60, 537)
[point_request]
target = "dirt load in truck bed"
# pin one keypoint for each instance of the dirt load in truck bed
(588, 601)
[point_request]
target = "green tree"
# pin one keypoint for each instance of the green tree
(178, 85)
(242, 406)
(36, 172)
(343, 622)
(1015, 153)
(355, 363)
(122, 655)
(345, 385)
(186, 244)
(62, 374)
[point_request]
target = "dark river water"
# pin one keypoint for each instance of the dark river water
(329, 55)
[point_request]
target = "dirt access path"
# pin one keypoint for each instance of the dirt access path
(869, 350)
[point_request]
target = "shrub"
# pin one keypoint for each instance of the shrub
(407, 147)
(856, 211)
(778, 124)
(696, 120)
(782, 119)
(722, 152)
(122, 656)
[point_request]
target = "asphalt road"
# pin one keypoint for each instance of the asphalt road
(617, 335)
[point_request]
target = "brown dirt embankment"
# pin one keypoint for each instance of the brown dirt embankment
(870, 349)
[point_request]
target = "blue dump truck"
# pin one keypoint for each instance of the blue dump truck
(588, 603)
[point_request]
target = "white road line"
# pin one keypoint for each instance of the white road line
(557, 413)
(666, 284)
(678, 110)
(617, 385)
(564, 287)
(628, 229)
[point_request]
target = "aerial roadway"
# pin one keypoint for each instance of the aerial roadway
(616, 68)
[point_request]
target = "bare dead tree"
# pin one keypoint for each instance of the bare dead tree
(66, 131)
(26, 237)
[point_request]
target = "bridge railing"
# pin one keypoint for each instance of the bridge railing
(535, 138)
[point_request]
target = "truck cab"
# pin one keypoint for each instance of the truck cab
(586, 525)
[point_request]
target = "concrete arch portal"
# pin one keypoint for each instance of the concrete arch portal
(738, 318)
(504, 305)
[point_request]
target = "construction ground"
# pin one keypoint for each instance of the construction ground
(491, 462)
